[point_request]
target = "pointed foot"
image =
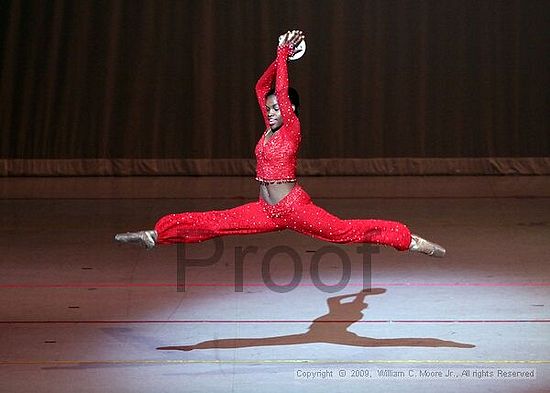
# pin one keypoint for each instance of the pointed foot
(424, 246)
(145, 238)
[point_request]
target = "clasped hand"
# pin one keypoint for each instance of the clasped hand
(293, 38)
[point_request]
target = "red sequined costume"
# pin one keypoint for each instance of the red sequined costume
(276, 162)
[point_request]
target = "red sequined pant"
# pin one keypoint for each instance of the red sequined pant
(296, 211)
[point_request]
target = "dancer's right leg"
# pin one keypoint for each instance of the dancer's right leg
(192, 227)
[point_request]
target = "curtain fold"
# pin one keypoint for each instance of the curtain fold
(306, 167)
(172, 81)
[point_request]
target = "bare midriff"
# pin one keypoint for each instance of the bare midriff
(273, 193)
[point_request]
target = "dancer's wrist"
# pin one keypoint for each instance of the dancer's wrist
(286, 50)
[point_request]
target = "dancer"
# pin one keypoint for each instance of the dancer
(282, 203)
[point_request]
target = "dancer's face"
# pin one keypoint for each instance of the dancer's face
(273, 113)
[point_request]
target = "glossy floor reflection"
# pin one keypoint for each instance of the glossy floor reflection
(81, 313)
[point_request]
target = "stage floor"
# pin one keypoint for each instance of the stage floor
(81, 313)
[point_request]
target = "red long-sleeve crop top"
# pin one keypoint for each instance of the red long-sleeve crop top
(276, 158)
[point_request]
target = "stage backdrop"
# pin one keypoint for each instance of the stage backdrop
(167, 87)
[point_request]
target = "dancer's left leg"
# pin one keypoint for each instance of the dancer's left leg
(314, 221)
(299, 213)
(305, 217)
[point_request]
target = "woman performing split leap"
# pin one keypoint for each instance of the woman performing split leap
(282, 203)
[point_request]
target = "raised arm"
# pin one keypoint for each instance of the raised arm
(281, 84)
(277, 73)
(264, 84)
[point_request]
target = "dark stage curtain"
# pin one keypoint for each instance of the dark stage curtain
(174, 80)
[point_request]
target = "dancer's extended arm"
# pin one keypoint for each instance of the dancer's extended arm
(281, 86)
(263, 85)
(278, 72)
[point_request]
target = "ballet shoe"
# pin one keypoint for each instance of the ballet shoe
(424, 246)
(145, 238)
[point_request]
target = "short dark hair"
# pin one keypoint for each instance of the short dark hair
(292, 95)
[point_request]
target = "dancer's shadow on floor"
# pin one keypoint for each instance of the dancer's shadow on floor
(330, 328)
